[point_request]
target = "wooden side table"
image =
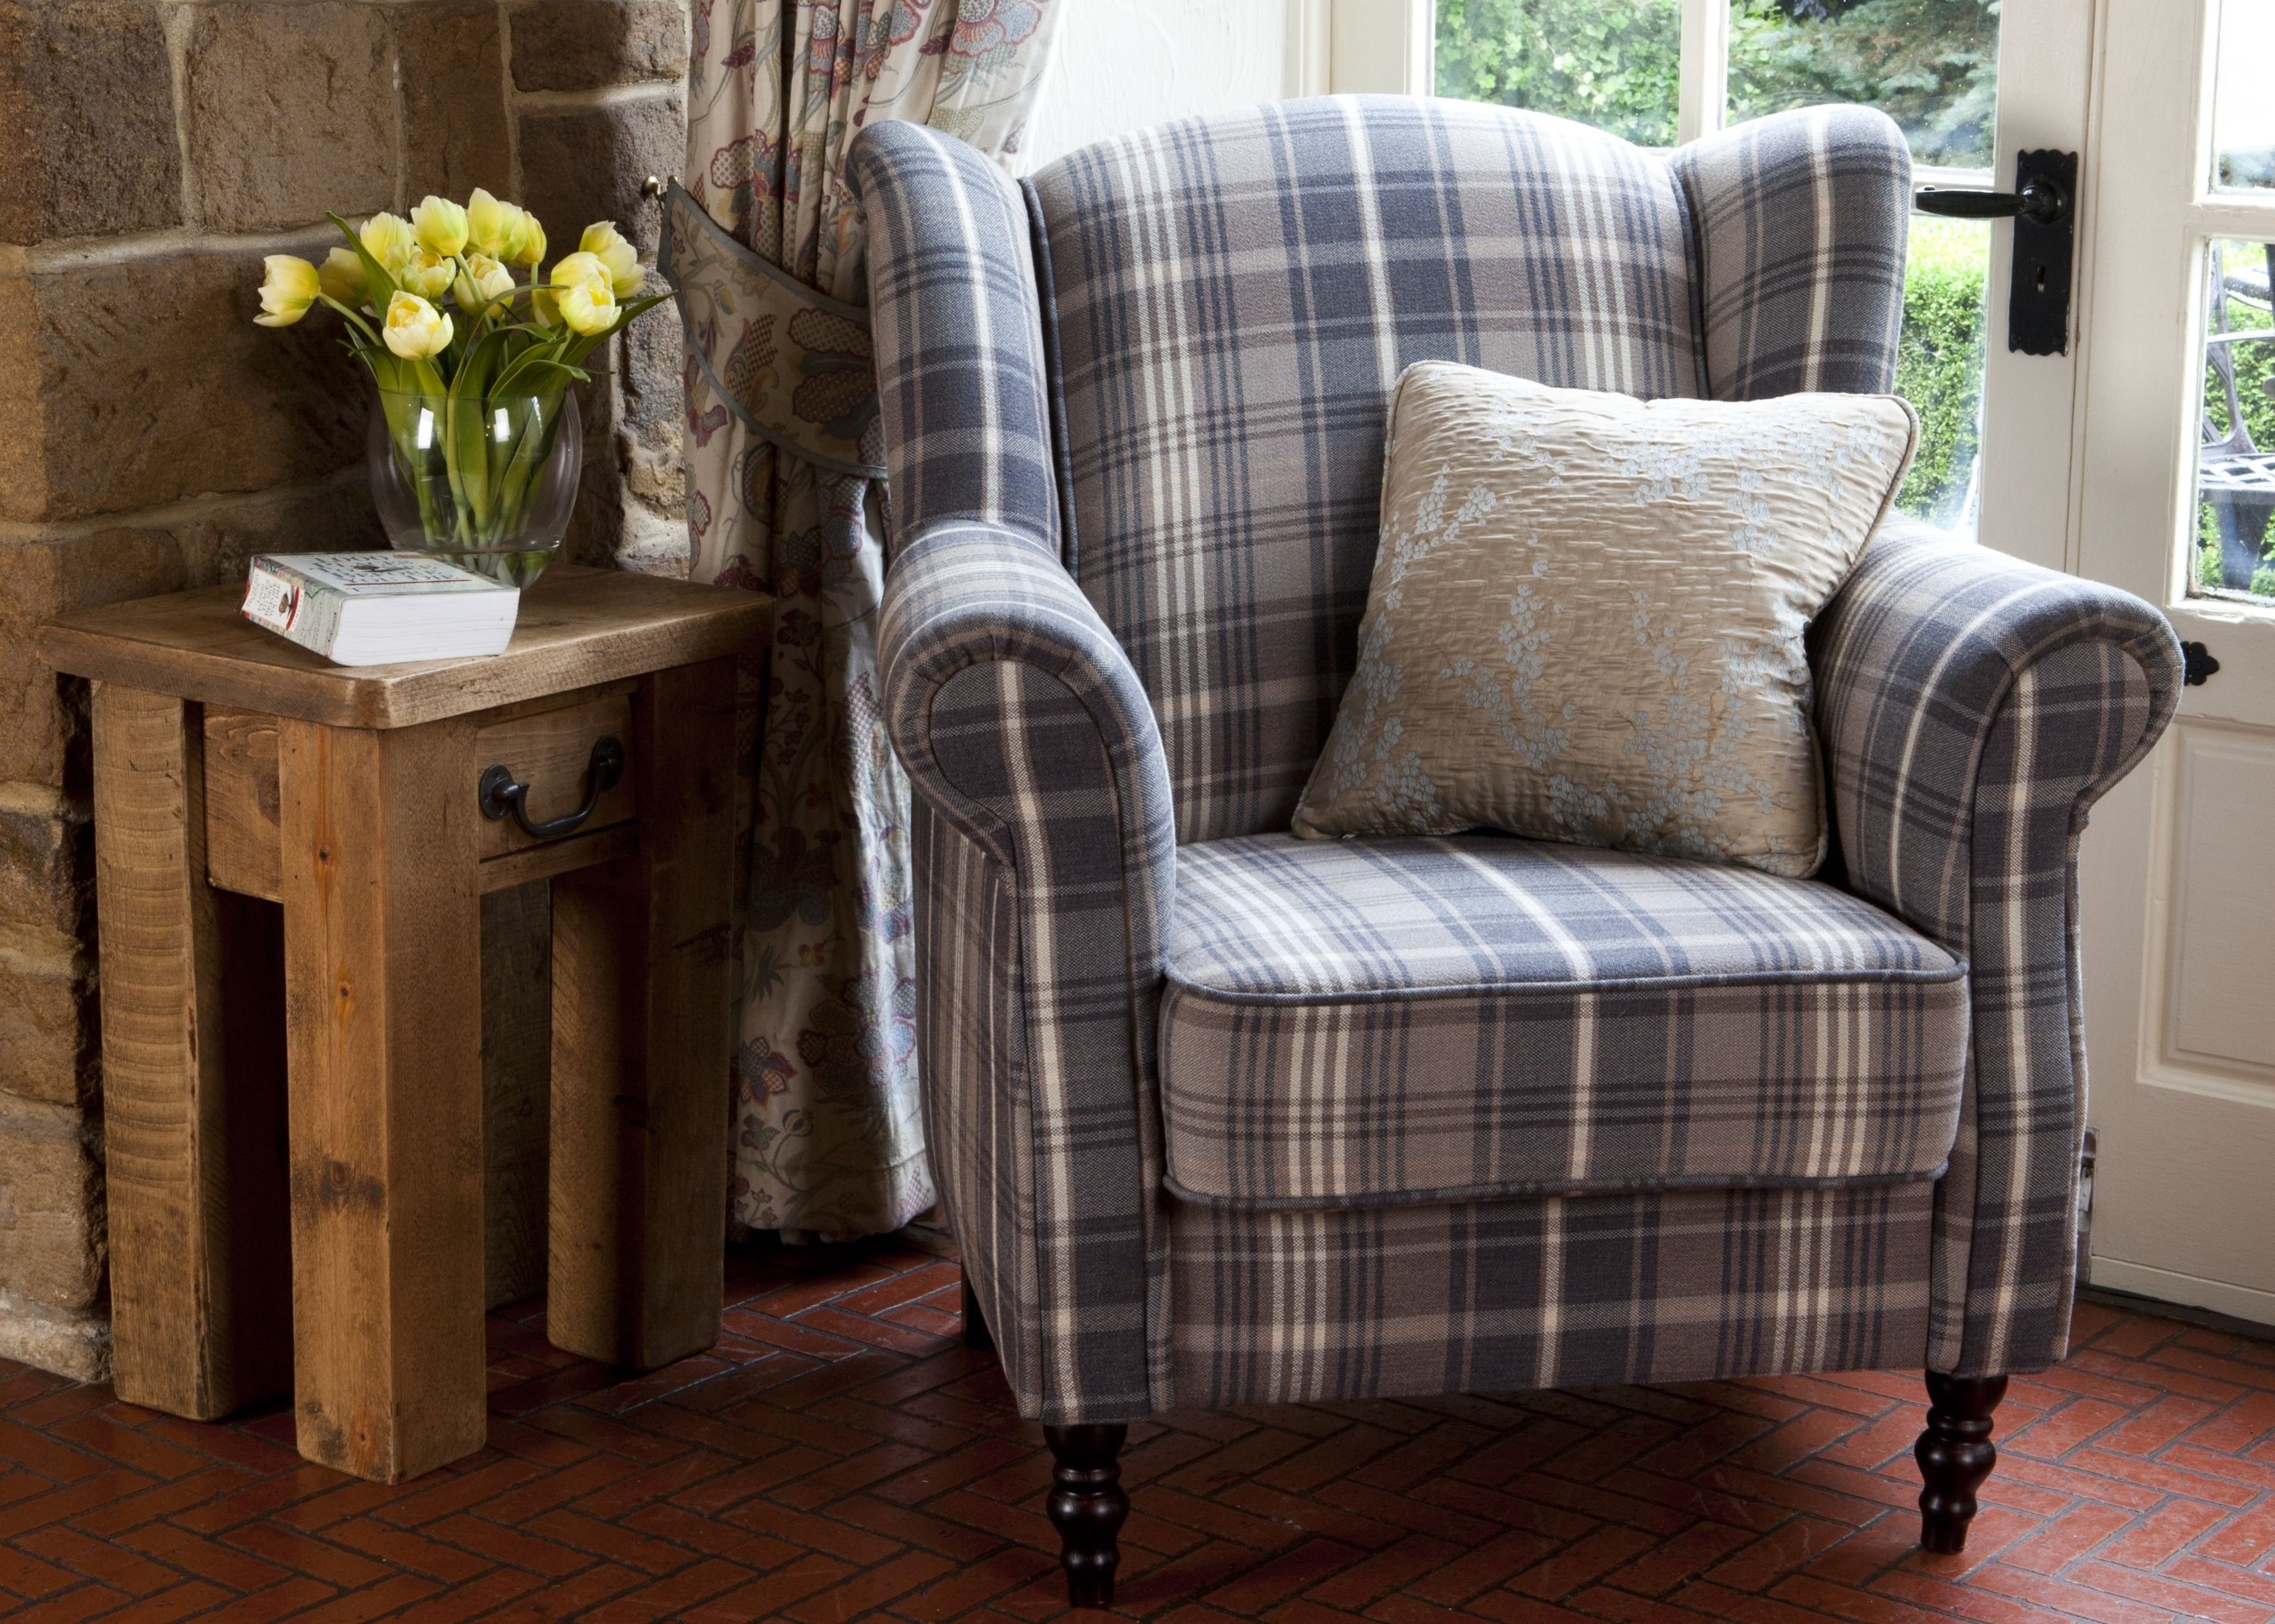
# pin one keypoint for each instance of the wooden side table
(233, 773)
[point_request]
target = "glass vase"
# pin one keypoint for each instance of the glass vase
(486, 482)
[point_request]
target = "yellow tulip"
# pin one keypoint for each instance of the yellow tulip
(588, 308)
(489, 223)
(441, 225)
(387, 239)
(290, 287)
(545, 306)
(586, 294)
(427, 273)
(527, 246)
(581, 267)
(482, 284)
(342, 277)
(602, 240)
(415, 329)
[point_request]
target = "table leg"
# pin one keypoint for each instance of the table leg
(642, 1046)
(383, 986)
(199, 1316)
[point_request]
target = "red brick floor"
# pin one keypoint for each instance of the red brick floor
(841, 1455)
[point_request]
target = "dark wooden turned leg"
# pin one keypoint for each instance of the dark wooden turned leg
(1087, 1507)
(975, 1324)
(1955, 1455)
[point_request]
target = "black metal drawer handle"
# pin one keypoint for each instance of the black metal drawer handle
(500, 794)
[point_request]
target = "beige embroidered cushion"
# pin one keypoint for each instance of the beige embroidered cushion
(1587, 616)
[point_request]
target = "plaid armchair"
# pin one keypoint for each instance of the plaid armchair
(1226, 1118)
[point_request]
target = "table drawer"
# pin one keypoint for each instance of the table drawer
(551, 752)
(547, 746)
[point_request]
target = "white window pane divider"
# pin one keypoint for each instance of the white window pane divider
(1703, 82)
(1386, 47)
(2232, 214)
(1931, 174)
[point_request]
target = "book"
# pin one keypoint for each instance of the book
(374, 608)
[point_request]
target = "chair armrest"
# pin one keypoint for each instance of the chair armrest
(990, 651)
(1042, 909)
(1973, 708)
(1929, 648)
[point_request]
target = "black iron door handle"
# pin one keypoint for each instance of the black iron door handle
(2044, 207)
(2045, 201)
(500, 793)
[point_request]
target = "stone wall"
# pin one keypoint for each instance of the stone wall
(152, 438)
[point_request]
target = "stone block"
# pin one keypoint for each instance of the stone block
(143, 381)
(217, 541)
(654, 544)
(43, 718)
(596, 527)
(53, 1247)
(586, 44)
(86, 120)
(456, 134)
(289, 110)
(582, 165)
(48, 1038)
(654, 356)
(73, 1345)
(654, 476)
(47, 873)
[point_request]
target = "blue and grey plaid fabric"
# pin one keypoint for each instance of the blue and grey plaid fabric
(1197, 327)
(1236, 295)
(1973, 708)
(957, 323)
(1361, 1022)
(1801, 222)
(1587, 1292)
(1019, 719)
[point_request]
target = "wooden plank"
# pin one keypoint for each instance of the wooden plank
(578, 851)
(550, 751)
(577, 627)
(383, 987)
(641, 1048)
(554, 702)
(190, 1333)
(241, 839)
(242, 856)
(516, 1054)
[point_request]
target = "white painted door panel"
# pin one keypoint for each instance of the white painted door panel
(2179, 878)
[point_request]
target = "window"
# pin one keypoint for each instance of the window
(1654, 71)
(2235, 459)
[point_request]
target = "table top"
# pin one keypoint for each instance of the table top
(576, 627)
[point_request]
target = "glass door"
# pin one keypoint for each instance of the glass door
(2178, 443)
(1969, 81)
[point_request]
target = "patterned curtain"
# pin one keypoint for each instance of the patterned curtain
(766, 248)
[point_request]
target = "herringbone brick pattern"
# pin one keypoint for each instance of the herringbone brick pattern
(841, 1455)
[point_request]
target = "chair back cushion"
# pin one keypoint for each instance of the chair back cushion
(1234, 298)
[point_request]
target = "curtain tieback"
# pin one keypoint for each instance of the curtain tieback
(796, 366)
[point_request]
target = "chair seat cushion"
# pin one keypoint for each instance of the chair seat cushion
(1363, 1022)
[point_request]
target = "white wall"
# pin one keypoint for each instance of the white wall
(1124, 64)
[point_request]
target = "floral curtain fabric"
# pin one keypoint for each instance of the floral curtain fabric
(828, 1140)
